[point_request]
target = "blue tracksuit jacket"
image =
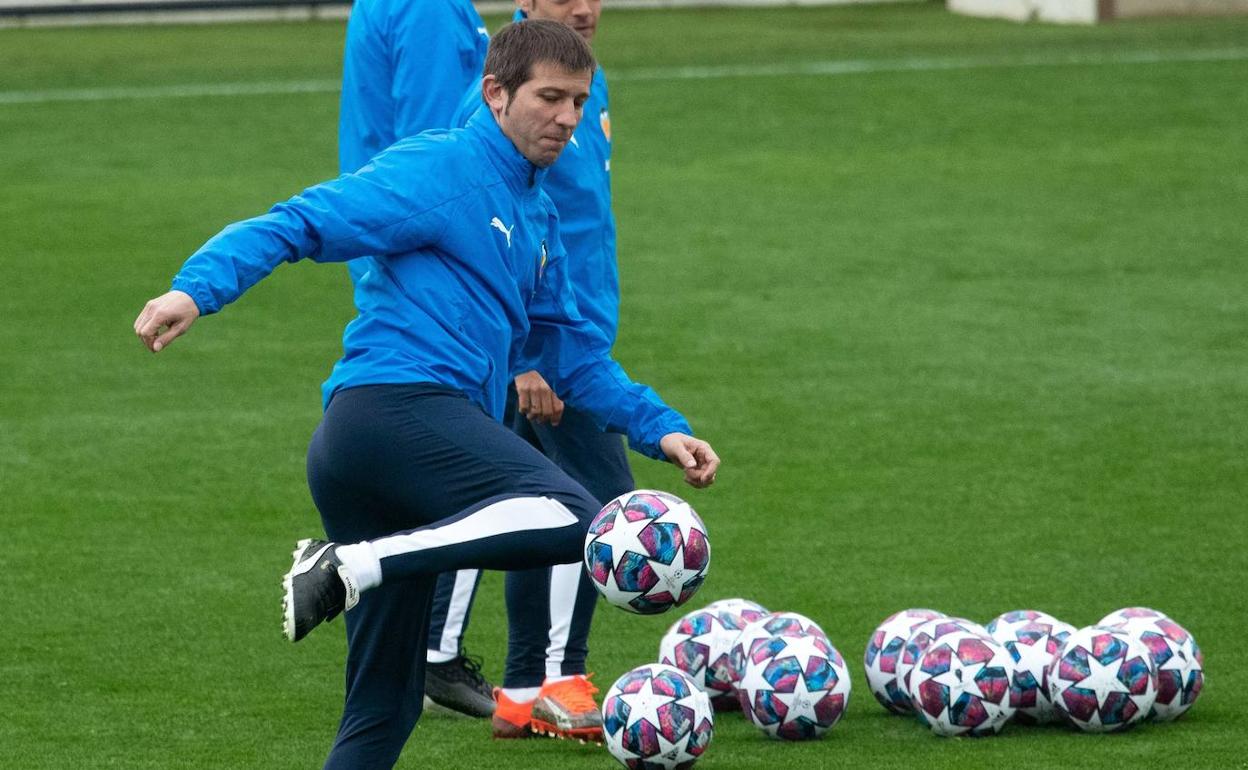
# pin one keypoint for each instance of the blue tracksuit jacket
(468, 268)
(580, 185)
(405, 66)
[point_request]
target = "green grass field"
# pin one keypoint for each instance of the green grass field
(967, 338)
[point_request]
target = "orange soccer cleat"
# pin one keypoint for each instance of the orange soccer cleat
(511, 718)
(566, 709)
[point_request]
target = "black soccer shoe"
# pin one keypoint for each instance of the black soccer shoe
(317, 588)
(457, 685)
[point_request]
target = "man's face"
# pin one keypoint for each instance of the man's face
(541, 115)
(580, 15)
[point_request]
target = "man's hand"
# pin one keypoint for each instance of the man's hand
(164, 319)
(537, 401)
(694, 456)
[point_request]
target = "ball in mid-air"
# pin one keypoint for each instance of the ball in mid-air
(884, 651)
(647, 551)
(656, 717)
(1102, 680)
(1031, 638)
(1178, 659)
(798, 690)
(961, 685)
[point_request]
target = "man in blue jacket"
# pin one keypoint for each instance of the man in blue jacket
(545, 687)
(410, 465)
(405, 67)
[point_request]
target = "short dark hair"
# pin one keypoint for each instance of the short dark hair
(515, 48)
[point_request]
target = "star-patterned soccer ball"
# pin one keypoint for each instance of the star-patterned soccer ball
(699, 644)
(1124, 614)
(739, 606)
(798, 690)
(1179, 662)
(1032, 638)
(883, 652)
(647, 551)
(655, 717)
(1102, 680)
(922, 636)
(961, 685)
(746, 644)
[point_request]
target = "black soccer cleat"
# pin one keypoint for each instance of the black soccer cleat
(458, 685)
(317, 588)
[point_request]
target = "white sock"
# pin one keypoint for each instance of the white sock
(521, 694)
(362, 563)
(557, 679)
(437, 656)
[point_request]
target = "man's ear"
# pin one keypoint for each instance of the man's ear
(494, 94)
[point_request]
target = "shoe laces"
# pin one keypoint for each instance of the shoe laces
(471, 667)
(577, 693)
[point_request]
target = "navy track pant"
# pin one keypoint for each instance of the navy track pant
(464, 492)
(550, 609)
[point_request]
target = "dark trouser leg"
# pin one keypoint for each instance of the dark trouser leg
(550, 610)
(399, 459)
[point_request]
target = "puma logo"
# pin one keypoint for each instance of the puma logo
(497, 224)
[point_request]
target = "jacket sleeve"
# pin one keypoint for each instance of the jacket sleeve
(381, 209)
(574, 357)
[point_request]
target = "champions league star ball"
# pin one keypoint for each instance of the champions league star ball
(921, 638)
(736, 605)
(883, 652)
(1179, 662)
(647, 551)
(1102, 680)
(753, 635)
(699, 644)
(1031, 638)
(798, 689)
(656, 717)
(961, 685)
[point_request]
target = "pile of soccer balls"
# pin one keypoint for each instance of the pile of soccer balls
(646, 552)
(780, 669)
(961, 678)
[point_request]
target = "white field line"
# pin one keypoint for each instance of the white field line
(815, 68)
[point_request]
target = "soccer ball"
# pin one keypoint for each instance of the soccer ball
(1017, 618)
(961, 685)
(734, 618)
(737, 605)
(1031, 638)
(798, 689)
(883, 652)
(699, 644)
(1124, 614)
(923, 635)
(754, 634)
(647, 551)
(656, 717)
(1102, 680)
(1179, 662)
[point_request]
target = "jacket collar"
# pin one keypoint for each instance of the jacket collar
(522, 177)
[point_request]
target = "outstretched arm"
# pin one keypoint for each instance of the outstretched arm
(381, 209)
